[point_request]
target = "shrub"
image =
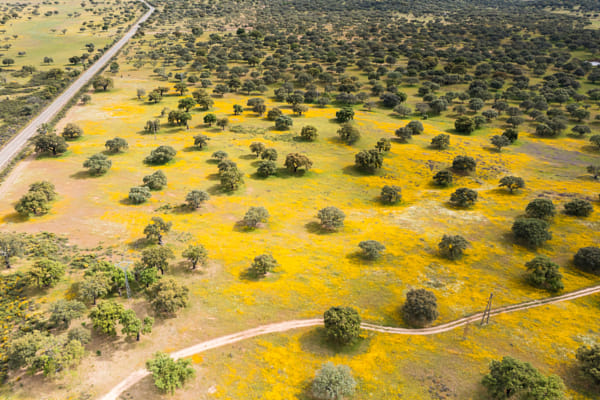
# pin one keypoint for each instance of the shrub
(309, 133)
(463, 197)
(420, 307)
(540, 208)
(348, 134)
(255, 216)
(332, 218)
(512, 183)
(588, 259)
(266, 168)
(98, 164)
(391, 194)
(372, 249)
(156, 181)
(403, 134)
(543, 273)
(464, 124)
(452, 246)
(333, 382)
(283, 123)
(195, 198)
(169, 374)
(161, 155)
(263, 264)
(72, 131)
(116, 145)
(139, 194)
(342, 324)
(345, 114)
(443, 178)
(219, 155)
(589, 360)
(464, 164)
(368, 160)
(269, 154)
(578, 208)
(511, 134)
(416, 127)
(595, 141)
(441, 141)
(514, 378)
(531, 232)
(383, 145)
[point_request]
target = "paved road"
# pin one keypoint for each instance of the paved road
(289, 325)
(14, 146)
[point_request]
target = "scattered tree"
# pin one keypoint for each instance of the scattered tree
(465, 164)
(443, 178)
(588, 259)
(532, 232)
(50, 144)
(372, 249)
(156, 181)
(368, 160)
(463, 197)
(342, 325)
(116, 145)
(293, 161)
(195, 253)
(169, 374)
(348, 134)
(263, 264)
(333, 382)
(195, 198)
(420, 308)
(332, 218)
(540, 208)
(139, 194)
(391, 194)
(441, 141)
(161, 155)
(255, 216)
(309, 133)
(543, 273)
(98, 164)
(499, 141)
(452, 247)
(589, 360)
(578, 208)
(512, 183)
(155, 230)
(166, 296)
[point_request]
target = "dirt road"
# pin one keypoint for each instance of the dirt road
(289, 325)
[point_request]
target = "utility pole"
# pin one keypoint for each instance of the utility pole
(485, 319)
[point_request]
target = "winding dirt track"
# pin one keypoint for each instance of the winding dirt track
(289, 325)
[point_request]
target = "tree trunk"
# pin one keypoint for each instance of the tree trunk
(7, 261)
(194, 264)
(138, 336)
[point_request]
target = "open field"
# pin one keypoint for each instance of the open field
(317, 269)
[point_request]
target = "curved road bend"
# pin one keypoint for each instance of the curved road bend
(289, 325)
(14, 146)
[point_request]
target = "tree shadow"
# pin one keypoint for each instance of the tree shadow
(588, 148)
(316, 228)
(213, 177)
(14, 218)
(190, 149)
(84, 174)
(285, 173)
(316, 342)
(140, 244)
(213, 161)
(249, 275)
(352, 170)
(248, 157)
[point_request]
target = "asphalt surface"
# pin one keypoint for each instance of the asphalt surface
(14, 146)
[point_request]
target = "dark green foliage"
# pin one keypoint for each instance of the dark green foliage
(36, 200)
(532, 232)
(391, 194)
(452, 247)
(511, 134)
(263, 264)
(274, 113)
(332, 218)
(420, 308)
(195, 253)
(342, 324)
(348, 134)
(161, 155)
(416, 127)
(219, 155)
(333, 382)
(116, 145)
(309, 133)
(257, 148)
(167, 296)
(179, 118)
(98, 164)
(231, 178)
(463, 197)
(152, 126)
(186, 104)
(255, 216)
(512, 183)
(63, 311)
(210, 119)
(105, 316)
(368, 160)
(588, 259)
(540, 208)
(72, 131)
(579, 208)
(595, 141)
(269, 154)
(464, 164)
(443, 178)
(344, 115)
(464, 124)
(403, 134)
(383, 145)
(155, 230)
(589, 360)
(441, 141)
(50, 143)
(594, 170)
(293, 161)
(156, 181)
(372, 249)
(139, 194)
(169, 374)
(46, 273)
(544, 274)
(11, 245)
(511, 378)
(201, 141)
(195, 198)
(499, 141)
(283, 123)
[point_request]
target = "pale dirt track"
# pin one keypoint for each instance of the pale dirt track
(14, 146)
(289, 325)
